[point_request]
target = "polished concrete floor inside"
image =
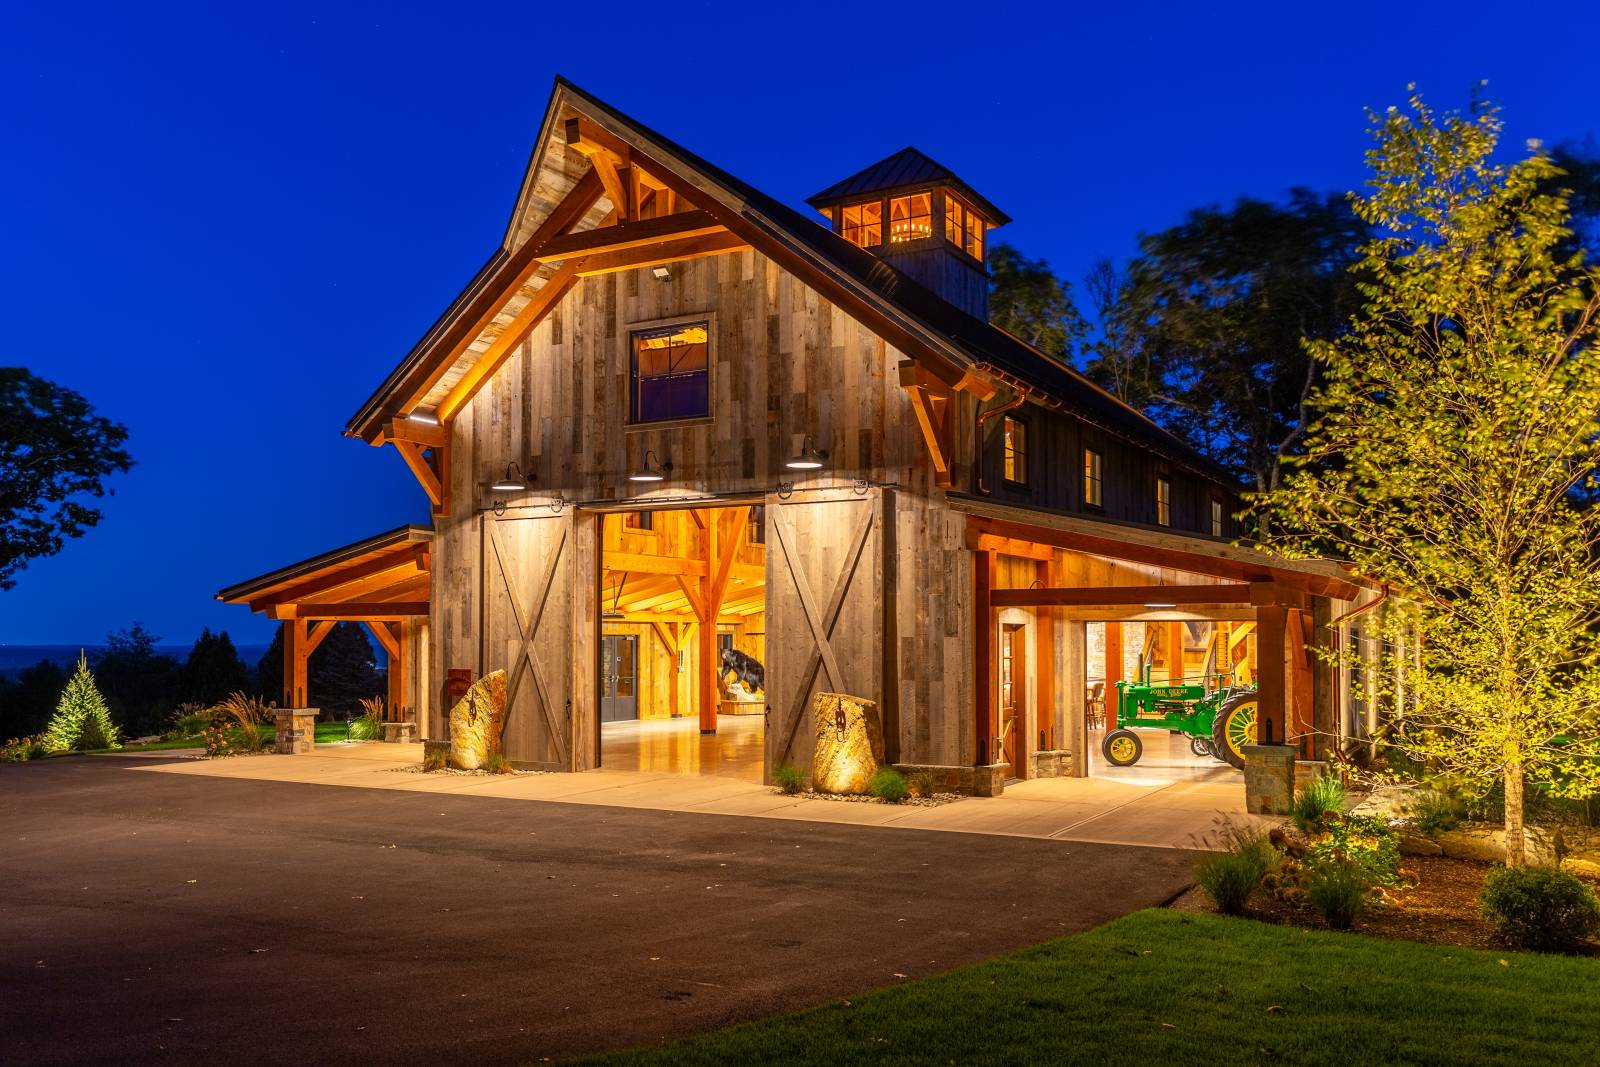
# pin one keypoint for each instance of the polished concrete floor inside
(1167, 759)
(676, 746)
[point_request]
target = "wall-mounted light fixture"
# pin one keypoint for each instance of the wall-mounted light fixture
(661, 272)
(423, 417)
(809, 459)
(1160, 607)
(653, 470)
(513, 481)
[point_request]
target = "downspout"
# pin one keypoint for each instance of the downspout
(977, 439)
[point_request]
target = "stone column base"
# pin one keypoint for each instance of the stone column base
(297, 731)
(1268, 778)
(399, 731)
(1052, 763)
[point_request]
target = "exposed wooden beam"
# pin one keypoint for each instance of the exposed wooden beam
(675, 251)
(584, 136)
(1082, 596)
(517, 330)
(616, 183)
(411, 452)
(400, 562)
(626, 235)
(931, 401)
(642, 563)
(1011, 546)
(360, 610)
(417, 432)
(316, 633)
(385, 637)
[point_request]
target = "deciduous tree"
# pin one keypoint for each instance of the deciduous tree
(1453, 453)
(1030, 301)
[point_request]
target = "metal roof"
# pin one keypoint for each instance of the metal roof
(906, 169)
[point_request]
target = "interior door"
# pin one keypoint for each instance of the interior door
(1013, 692)
(619, 694)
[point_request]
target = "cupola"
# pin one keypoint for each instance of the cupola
(919, 217)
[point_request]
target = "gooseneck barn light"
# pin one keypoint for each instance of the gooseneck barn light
(653, 470)
(809, 459)
(513, 481)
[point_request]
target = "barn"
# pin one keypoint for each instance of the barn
(694, 455)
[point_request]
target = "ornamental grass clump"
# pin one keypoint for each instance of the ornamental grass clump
(889, 785)
(495, 763)
(1316, 801)
(923, 784)
(368, 726)
(1339, 890)
(1433, 812)
(1230, 877)
(788, 779)
(435, 759)
(242, 718)
(1540, 908)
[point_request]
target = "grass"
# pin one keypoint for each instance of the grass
(1172, 987)
(327, 732)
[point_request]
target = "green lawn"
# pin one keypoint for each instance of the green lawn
(326, 732)
(1161, 987)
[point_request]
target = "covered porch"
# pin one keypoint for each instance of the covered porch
(383, 582)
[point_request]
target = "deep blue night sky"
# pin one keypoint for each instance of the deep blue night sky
(225, 223)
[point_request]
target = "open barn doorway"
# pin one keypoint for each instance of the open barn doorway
(683, 641)
(1194, 655)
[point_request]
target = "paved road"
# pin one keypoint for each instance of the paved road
(148, 917)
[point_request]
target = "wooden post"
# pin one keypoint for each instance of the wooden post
(398, 657)
(295, 654)
(1044, 658)
(1075, 678)
(1174, 653)
(707, 673)
(1271, 687)
(983, 655)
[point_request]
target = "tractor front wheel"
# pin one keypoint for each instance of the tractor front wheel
(1200, 746)
(1122, 748)
(1233, 728)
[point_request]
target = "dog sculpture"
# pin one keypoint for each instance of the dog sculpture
(745, 667)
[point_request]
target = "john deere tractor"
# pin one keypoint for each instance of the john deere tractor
(1217, 716)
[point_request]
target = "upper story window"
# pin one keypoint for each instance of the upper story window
(1016, 450)
(669, 373)
(1164, 501)
(1216, 517)
(911, 217)
(862, 224)
(1092, 485)
(963, 227)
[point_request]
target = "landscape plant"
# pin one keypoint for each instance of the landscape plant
(888, 785)
(1451, 459)
(368, 726)
(244, 716)
(1540, 908)
(1319, 798)
(435, 759)
(82, 721)
(495, 763)
(1433, 811)
(788, 779)
(923, 783)
(1230, 876)
(22, 749)
(1338, 889)
(1366, 842)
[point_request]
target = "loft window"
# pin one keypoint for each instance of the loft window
(639, 520)
(911, 217)
(1164, 501)
(963, 227)
(1092, 486)
(1016, 450)
(1216, 518)
(862, 224)
(669, 373)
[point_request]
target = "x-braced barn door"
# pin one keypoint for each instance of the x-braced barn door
(532, 612)
(825, 610)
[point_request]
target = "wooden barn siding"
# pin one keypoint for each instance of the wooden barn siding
(1055, 474)
(785, 364)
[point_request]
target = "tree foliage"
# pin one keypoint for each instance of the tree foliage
(1453, 457)
(340, 673)
(27, 704)
(82, 720)
(1030, 301)
(1203, 330)
(212, 671)
(139, 682)
(54, 451)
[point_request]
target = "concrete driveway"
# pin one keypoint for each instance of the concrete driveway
(155, 917)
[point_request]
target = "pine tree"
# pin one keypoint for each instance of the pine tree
(82, 720)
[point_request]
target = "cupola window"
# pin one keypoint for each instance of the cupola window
(862, 224)
(911, 217)
(963, 227)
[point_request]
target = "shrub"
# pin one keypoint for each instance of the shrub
(368, 726)
(189, 720)
(498, 764)
(435, 759)
(1316, 800)
(217, 743)
(889, 785)
(1364, 840)
(788, 779)
(1230, 877)
(22, 749)
(1339, 890)
(923, 783)
(1540, 908)
(243, 716)
(1433, 812)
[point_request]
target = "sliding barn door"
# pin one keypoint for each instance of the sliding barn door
(535, 605)
(825, 611)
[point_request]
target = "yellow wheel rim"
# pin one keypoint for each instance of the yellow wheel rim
(1240, 729)
(1122, 749)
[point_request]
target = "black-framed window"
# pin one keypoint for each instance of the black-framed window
(1216, 517)
(862, 224)
(1016, 450)
(1164, 501)
(668, 375)
(963, 227)
(1093, 478)
(910, 217)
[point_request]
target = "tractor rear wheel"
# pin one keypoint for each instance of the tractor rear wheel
(1122, 748)
(1233, 728)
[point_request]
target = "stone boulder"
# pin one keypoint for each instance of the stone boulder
(475, 722)
(849, 748)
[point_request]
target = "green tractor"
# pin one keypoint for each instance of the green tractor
(1218, 717)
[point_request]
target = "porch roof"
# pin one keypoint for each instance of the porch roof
(381, 577)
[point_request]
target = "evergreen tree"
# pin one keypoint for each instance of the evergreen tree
(212, 671)
(339, 674)
(82, 720)
(140, 683)
(28, 704)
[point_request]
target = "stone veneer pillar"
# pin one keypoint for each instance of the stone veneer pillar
(297, 731)
(1268, 778)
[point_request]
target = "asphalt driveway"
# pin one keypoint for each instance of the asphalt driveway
(180, 918)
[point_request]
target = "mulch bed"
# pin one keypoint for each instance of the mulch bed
(1441, 908)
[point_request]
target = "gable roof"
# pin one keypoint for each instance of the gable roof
(906, 169)
(910, 317)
